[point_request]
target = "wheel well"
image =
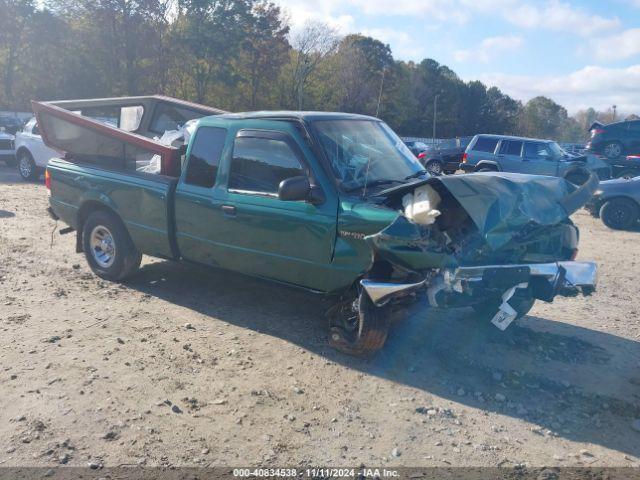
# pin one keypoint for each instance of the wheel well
(23, 149)
(85, 210)
(483, 164)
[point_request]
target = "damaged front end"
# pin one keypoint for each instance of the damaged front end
(481, 239)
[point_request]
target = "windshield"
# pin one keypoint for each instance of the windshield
(365, 153)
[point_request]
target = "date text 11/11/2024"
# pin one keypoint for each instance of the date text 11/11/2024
(316, 473)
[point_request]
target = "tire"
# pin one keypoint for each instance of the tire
(619, 213)
(364, 331)
(108, 247)
(577, 176)
(613, 150)
(26, 166)
(522, 302)
(434, 167)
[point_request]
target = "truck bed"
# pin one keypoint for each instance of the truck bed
(143, 201)
(124, 134)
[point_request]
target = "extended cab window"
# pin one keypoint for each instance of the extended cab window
(484, 144)
(509, 147)
(260, 164)
(204, 159)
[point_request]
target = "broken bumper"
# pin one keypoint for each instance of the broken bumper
(547, 280)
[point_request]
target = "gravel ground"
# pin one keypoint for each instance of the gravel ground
(186, 366)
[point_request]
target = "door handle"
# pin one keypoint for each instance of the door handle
(229, 210)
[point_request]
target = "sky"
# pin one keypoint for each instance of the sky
(580, 53)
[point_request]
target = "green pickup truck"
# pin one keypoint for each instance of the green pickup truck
(333, 203)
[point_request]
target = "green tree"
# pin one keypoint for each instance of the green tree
(14, 22)
(211, 32)
(264, 50)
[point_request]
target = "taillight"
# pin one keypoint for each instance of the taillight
(47, 179)
(465, 157)
(597, 131)
(421, 155)
(574, 254)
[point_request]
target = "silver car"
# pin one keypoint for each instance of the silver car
(503, 153)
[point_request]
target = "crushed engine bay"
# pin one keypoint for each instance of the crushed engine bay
(483, 218)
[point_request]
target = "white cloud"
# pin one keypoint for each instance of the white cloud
(404, 44)
(617, 47)
(560, 16)
(591, 86)
(327, 11)
(489, 48)
(553, 15)
(438, 10)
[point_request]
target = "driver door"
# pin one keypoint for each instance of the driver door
(288, 241)
(538, 159)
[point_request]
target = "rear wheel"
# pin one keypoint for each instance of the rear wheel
(613, 150)
(434, 167)
(108, 247)
(26, 166)
(358, 327)
(619, 213)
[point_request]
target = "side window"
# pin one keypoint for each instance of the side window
(204, 159)
(484, 144)
(509, 147)
(260, 164)
(536, 150)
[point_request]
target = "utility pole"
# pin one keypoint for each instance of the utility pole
(435, 114)
(614, 112)
(384, 69)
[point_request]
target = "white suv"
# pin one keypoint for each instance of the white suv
(31, 153)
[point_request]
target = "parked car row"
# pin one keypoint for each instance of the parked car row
(10, 124)
(7, 149)
(26, 150)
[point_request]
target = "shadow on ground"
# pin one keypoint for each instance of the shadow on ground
(578, 383)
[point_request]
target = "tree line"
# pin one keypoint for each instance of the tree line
(241, 55)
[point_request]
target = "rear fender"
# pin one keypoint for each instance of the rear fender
(92, 201)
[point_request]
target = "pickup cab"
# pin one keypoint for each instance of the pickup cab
(333, 203)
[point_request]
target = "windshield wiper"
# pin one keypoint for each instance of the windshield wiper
(374, 183)
(419, 173)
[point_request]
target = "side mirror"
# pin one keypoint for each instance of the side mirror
(294, 189)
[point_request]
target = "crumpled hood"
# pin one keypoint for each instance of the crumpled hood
(502, 206)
